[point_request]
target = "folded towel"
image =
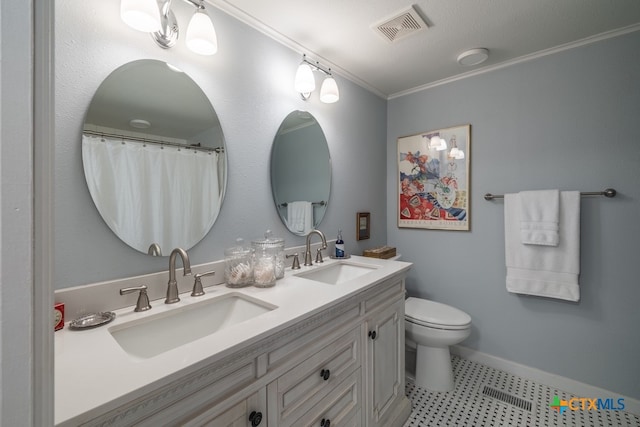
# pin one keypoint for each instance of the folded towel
(300, 216)
(548, 271)
(539, 216)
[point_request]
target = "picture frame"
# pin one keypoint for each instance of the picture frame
(434, 179)
(363, 225)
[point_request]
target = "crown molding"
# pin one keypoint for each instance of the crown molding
(582, 42)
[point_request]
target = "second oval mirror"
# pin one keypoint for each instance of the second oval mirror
(300, 172)
(154, 157)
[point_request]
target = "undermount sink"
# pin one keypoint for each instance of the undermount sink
(337, 273)
(159, 333)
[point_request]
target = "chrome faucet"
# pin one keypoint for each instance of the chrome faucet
(172, 288)
(307, 252)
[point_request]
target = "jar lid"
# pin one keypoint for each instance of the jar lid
(269, 242)
(239, 249)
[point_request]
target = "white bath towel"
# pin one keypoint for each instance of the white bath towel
(300, 216)
(539, 216)
(548, 271)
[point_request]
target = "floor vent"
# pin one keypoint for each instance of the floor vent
(512, 400)
(405, 23)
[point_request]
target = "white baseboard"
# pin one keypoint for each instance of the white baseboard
(568, 385)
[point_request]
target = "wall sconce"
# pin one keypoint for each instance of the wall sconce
(305, 83)
(156, 17)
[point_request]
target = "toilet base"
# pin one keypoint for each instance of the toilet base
(433, 368)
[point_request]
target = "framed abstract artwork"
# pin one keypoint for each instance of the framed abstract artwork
(433, 179)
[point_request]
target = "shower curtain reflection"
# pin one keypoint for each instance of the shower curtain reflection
(150, 194)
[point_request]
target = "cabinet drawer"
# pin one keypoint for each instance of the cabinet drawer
(301, 388)
(225, 382)
(342, 407)
(300, 346)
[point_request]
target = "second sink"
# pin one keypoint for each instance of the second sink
(162, 332)
(337, 273)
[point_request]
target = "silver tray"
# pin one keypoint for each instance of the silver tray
(347, 256)
(92, 320)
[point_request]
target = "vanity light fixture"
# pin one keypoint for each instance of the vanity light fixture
(156, 18)
(305, 82)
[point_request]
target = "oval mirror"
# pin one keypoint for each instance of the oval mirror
(154, 157)
(300, 172)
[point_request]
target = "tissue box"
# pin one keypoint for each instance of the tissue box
(384, 252)
(58, 316)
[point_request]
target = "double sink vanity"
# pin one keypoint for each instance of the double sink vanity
(325, 346)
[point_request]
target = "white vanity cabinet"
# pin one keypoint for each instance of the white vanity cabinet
(341, 365)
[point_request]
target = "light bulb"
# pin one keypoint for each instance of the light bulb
(304, 83)
(329, 91)
(201, 36)
(141, 15)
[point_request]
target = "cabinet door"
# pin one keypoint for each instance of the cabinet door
(385, 362)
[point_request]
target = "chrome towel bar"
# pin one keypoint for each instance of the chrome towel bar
(609, 192)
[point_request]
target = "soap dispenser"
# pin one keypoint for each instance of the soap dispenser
(339, 245)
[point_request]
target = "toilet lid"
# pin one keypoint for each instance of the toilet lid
(435, 314)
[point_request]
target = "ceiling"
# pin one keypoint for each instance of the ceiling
(339, 34)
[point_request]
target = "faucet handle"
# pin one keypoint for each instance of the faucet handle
(296, 261)
(197, 284)
(143, 299)
(319, 256)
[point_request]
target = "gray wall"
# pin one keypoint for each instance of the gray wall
(569, 121)
(250, 85)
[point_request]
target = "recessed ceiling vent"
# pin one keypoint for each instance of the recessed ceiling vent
(400, 26)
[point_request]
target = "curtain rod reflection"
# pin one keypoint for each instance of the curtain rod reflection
(153, 141)
(322, 203)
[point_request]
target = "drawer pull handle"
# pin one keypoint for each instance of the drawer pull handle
(372, 335)
(255, 418)
(325, 374)
(325, 423)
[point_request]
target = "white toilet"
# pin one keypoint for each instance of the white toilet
(433, 327)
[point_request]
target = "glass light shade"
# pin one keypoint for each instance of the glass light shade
(201, 36)
(459, 155)
(454, 152)
(304, 83)
(329, 91)
(141, 15)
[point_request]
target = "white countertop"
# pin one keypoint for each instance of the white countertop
(93, 374)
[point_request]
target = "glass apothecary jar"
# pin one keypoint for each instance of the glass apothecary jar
(273, 246)
(238, 265)
(264, 269)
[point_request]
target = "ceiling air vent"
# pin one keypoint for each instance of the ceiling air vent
(402, 25)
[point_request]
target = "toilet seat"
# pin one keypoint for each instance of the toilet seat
(435, 315)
